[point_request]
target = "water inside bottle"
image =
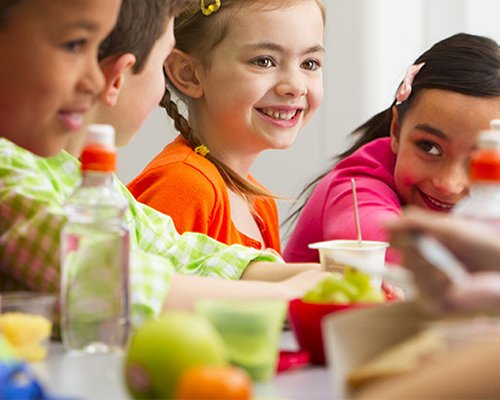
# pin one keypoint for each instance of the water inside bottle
(94, 294)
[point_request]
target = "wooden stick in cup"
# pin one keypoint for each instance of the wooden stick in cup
(356, 212)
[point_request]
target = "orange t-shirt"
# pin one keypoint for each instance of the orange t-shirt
(189, 188)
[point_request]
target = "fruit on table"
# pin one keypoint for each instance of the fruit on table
(372, 295)
(214, 383)
(162, 349)
(7, 352)
(353, 287)
(26, 333)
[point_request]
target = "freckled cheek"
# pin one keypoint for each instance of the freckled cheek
(410, 173)
(407, 179)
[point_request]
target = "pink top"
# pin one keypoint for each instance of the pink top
(329, 212)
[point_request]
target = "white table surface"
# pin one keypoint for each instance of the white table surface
(80, 376)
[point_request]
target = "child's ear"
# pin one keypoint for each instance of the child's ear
(114, 69)
(182, 72)
(395, 130)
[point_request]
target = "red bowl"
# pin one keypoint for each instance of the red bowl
(306, 319)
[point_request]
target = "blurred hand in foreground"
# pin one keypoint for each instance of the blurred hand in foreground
(475, 245)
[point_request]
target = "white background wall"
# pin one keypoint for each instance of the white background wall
(369, 46)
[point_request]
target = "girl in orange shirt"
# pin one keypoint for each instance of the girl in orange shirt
(250, 74)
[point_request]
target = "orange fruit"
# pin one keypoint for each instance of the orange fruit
(209, 382)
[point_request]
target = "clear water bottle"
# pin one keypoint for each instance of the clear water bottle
(483, 202)
(95, 309)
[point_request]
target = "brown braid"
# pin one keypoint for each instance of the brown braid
(234, 181)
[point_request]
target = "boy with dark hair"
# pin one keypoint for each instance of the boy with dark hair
(138, 29)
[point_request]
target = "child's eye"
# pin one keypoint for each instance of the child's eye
(311, 65)
(264, 62)
(74, 46)
(429, 147)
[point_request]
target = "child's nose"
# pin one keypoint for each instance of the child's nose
(93, 79)
(452, 180)
(291, 84)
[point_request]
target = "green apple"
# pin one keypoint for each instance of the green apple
(163, 348)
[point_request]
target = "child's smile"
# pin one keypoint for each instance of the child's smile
(434, 204)
(73, 120)
(286, 117)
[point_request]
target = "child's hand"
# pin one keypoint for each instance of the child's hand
(480, 292)
(393, 292)
(275, 253)
(475, 245)
(297, 286)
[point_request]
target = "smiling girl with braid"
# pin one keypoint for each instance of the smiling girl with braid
(250, 74)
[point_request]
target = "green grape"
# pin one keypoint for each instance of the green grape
(338, 298)
(325, 283)
(372, 295)
(358, 278)
(314, 295)
(337, 283)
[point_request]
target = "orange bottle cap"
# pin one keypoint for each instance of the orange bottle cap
(98, 157)
(485, 165)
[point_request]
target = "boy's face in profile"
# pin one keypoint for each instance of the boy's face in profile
(49, 74)
(142, 92)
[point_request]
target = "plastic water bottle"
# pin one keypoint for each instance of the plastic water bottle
(483, 202)
(95, 309)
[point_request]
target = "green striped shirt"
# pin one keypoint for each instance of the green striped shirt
(32, 193)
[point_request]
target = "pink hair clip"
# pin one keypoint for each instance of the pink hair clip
(405, 87)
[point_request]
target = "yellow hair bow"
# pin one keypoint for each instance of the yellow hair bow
(201, 150)
(214, 7)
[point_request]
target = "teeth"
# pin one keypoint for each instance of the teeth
(436, 203)
(76, 117)
(279, 115)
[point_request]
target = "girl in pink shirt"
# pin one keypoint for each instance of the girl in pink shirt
(415, 152)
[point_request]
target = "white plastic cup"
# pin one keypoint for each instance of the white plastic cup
(336, 255)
